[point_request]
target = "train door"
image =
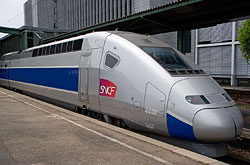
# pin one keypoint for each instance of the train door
(83, 76)
(111, 84)
(154, 108)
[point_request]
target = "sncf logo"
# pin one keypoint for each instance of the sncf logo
(107, 88)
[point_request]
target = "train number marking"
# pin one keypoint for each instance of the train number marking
(150, 111)
(107, 88)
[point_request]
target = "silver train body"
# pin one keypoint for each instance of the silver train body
(136, 78)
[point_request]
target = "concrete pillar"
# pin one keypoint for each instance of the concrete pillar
(87, 6)
(74, 15)
(123, 7)
(34, 13)
(69, 15)
(100, 10)
(103, 10)
(79, 20)
(81, 15)
(133, 7)
(119, 4)
(107, 10)
(85, 13)
(128, 7)
(115, 9)
(97, 11)
(91, 12)
(111, 5)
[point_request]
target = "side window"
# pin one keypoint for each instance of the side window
(44, 51)
(52, 49)
(40, 51)
(64, 47)
(59, 48)
(47, 50)
(77, 45)
(35, 52)
(111, 60)
(70, 46)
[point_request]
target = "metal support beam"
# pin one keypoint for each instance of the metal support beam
(181, 41)
(196, 46)
(233, 55)
(25, 40)
(9, 30)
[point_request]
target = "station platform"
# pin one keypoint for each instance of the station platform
(35, 132)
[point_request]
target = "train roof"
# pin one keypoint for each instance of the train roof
(137, 39)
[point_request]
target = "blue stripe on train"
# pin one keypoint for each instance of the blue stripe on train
(177, 128)
(61, 78)
(4, 73)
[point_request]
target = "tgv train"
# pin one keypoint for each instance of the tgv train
(136, 79)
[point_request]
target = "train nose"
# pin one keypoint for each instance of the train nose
(214, 125)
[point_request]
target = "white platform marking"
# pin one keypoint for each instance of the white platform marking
(92, 131)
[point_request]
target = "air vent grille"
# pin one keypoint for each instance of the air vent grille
(186, 72)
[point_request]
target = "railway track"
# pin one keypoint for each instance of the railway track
(239, 150)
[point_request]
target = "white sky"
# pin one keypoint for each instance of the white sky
(11, 14)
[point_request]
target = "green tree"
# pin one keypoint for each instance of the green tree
(244, 39)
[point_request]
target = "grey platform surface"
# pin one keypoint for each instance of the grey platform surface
(35, 132)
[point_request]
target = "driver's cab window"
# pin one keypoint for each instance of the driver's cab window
(111, 60)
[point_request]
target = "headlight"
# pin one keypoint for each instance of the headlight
(199, 99)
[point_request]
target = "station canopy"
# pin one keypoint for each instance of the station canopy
(176, 16)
